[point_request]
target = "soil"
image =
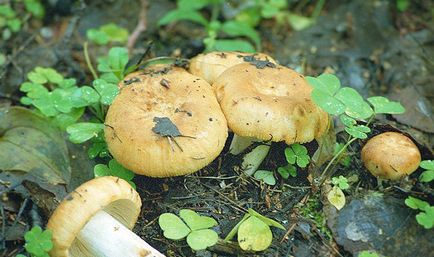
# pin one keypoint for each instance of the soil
(370, 45)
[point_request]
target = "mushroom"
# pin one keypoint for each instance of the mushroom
(210, 65)
(165, 122)
(390, 155)
(95, 220)
(270, 103)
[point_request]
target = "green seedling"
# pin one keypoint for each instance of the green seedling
(350, 107)
(114, 169)
(190, 11)
(341, 182)
(38, 242)
(108, 33)
(191, 225)
(428, 173)
(254, 233)
(426, 215)
(297, 155)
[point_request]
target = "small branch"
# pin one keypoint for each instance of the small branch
(141, 25)
(88, 61)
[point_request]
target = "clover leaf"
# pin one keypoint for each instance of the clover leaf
(83, 131)
(415, 203)
(192, 225)
(107, 91)
(287, 170)
(384, 105)
(325, 88)
(266, 176)
(355, 106)
(426, 218)
(254, 235)
(297, 153)
(358, 131)
(38, 242)
(428, 174)
(113, 65)
(44, 75)
(107, 33)
(114, 169)
(341, 182)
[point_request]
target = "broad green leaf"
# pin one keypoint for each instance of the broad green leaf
(67, 83)
(426, 218)
(235, 28)
(98, 37)
(35, 8)
(118, 58)
(325, 82)
(63, 120)
(115, 33)
(120, 171)
(358, 131)
(45, 104)
(266, 176)
(61, 100)
(347, 121)
(201, 239)
(269, 11)
(336, 197)
(415, 203)
(233, 45)
(36, 77)
(193, 5)
(299, 22)
(179, 15)
(81, 132)
(254, 235)
(326, 102)
(402, 5)
(427, 176)
(31, 144)
(34, 90)
(84, 96)
(196, 221)
(173, 227)
(14, 24)
(250, 16)
(355, 106)
(101, 170)
(107, 91)
(287, 170)
(384, 105)
(291, 158)
(7, 12)
(427, 164)
(268, 221)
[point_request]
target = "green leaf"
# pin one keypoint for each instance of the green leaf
(114, 63)
(63, 120)
(101, 170)
(67, 83)
(61, 100)
(299, 22)
(45, 104)
(355, 106)
(336, 197)
(326, 102)
(427, 164)
(173, 227)
(291, 158)
(254, 235)
(34, 90)
(193, 5)
(233, 45)
(35, 8)
(347, 121)
(98, 37)
(266, 220)
(358, 131)
(84, 96)
(7, 12)
(81, 132)
(266, 176)
(36, 77)
(341, 182)
(196, 221)
(235, 29)
(426, 218)
(14, 24)
(326, 82)
(107, 91)
(297, 153)
(38, 242)
(415, 203)
(201, 239)
(367, 254)
(427, 176)
(384, 105)
(115, 33)
(287, 170)
(120, 171)
(180, 14)
(402, 5)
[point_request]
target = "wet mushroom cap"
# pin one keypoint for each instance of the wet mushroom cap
(270, 104)
(210, 65)
(110, 194)
(166, 123)
(390, 155)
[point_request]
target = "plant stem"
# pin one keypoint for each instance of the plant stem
(234, 230)
(318, 7)
(88, 61)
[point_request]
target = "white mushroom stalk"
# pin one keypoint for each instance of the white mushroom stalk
(253, 159)
(104, 236)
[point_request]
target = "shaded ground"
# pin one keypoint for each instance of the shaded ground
(368, 44)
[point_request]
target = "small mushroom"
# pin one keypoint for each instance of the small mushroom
(210, 65)
(96, 220)
(268, 104)
(390, 155)
(167, 122)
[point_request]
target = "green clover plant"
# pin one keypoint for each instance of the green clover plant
(265, 176)
(108, 33)
(341, 182)
(296, 155)
(428, 173)
(354, 112)
(196, 228)
(38, 242)
(426, 215)
(11, 21)
(114, 169)
(254, 233)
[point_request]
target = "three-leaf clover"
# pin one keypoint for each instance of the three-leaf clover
(38, 242)
(341, 182)
(191, 225)
(287, 170)
(107, 33)
(83, 131)
(428, 173)
(297, 153)
(114, 169)
(426, 214)
(266, 176)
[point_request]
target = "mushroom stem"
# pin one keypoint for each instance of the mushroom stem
(253, 159)
(104, 236)
(239, 144)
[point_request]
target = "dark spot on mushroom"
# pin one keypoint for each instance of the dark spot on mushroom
(69, 197)
(184, 111)
(210, 119)
(131, 81)
(266, 114)
(165, 83)
(222, 55)
(257, 121)
(203, 96)
(117, 180)
(257, 98)
(258, 63)
(234, 102)
(247, 123)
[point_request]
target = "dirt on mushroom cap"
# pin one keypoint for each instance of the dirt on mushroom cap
(210, 65)
(269, 104)
(162, 101)
(391, 155)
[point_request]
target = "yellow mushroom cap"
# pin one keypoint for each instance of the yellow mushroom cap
(210, 65)
(110, 194)
(269, 104)
(161, 95)
(390, 155)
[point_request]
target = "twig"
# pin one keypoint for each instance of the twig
(88, 61)
(141, 25)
